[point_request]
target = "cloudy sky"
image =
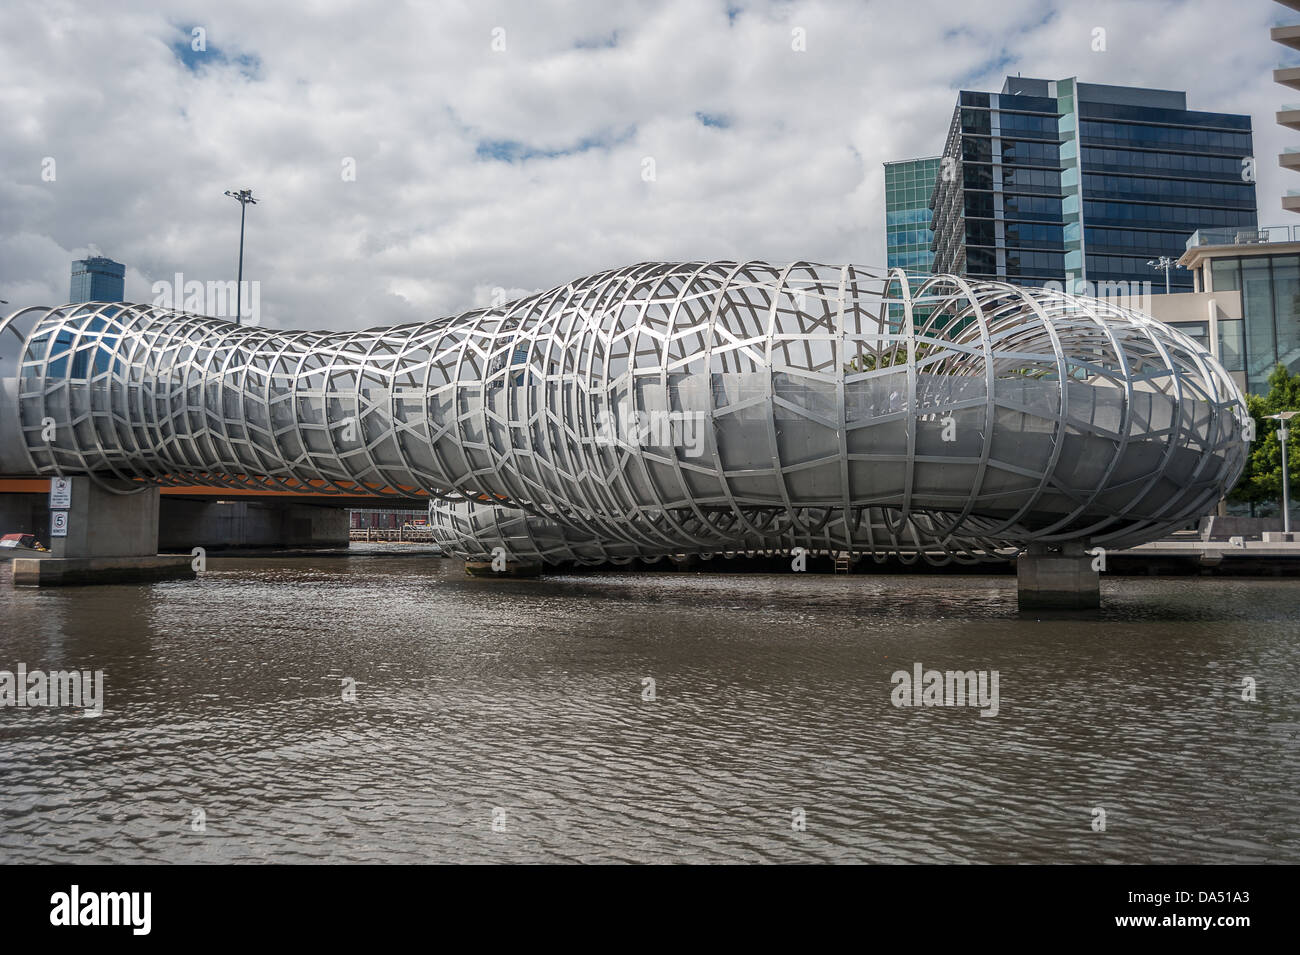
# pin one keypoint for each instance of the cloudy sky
(498, 145)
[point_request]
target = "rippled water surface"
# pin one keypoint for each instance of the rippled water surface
(524, 699)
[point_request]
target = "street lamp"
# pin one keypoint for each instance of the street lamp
(1162, 264)
(243, 197)
(1282, 434)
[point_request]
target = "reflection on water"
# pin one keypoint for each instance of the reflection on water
(772, 693)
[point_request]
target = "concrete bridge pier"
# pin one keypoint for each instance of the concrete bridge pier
(1057, 579)
(105, 538)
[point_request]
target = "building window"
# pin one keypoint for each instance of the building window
(1257, 306)
(1232, 345)
(1225, 276)
(1198, 332)
(1286, 308)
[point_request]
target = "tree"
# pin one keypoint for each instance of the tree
(888, 357)
(1261, 482)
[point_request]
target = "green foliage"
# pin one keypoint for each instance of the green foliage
(1261, 482)
(870, 362)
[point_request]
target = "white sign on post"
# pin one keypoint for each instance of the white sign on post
(58, 523)
(60, 492)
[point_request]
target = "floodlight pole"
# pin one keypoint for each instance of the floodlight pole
(1283, 432)
(243, 197)
(1163, 264)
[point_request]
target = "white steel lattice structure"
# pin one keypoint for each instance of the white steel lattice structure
(665, 408)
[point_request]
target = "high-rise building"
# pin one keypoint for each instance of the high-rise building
(908, 185)
(1062, 181)
(97, 279)
(1289, 116)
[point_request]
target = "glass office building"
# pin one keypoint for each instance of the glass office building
(1263, 268)
(1069, 182)
(908, 185)
(97, 279)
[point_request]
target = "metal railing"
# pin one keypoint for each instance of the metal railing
(406, 534)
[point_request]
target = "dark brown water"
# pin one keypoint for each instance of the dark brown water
(525, 699)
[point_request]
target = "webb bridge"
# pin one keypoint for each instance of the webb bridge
(666, 409)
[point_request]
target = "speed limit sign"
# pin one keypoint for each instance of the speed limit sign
(58, 523)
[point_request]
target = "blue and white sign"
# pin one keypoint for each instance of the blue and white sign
(60, 493)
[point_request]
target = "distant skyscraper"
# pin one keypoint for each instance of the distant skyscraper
(908, 185)
(97, 279)
(1062, 181)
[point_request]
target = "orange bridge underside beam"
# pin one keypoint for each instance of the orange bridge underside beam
(292, 489)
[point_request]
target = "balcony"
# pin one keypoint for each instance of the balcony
(1289, 116)
(1287, 36)
(1287, 76)
(1262, 235)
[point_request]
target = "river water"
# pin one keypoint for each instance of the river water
(514, 720)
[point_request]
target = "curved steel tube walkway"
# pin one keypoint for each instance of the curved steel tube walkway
(666, 408)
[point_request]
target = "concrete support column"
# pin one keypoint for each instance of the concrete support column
(103, 524)
(108, 538)
(1057, 579)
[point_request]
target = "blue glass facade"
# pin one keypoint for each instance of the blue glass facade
(97, 279)
(908, 185)
(1060, 181)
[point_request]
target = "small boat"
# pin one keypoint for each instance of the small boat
(21, 545)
